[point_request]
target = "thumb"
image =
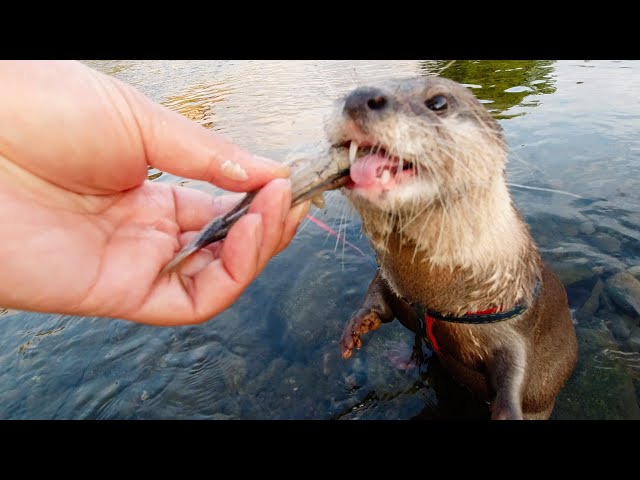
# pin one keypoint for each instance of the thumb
(180, 146)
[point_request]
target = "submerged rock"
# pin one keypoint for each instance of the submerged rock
(620, 324)
(264, 377)
(601, 386)
(619, 328)
(593, 302)
(234, 371)
(571, 272)
(606, 242)
(568, 229)
(634, 339)
(587, 228)
(635, 271)
(624, 289)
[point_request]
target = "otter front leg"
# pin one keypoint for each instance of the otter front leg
(373, 312)
(505, 374)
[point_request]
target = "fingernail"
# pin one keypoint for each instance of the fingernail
(280, 168)
(233, 171)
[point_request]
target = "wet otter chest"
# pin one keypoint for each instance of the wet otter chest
(417, 280)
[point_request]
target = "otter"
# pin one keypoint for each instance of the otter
(456, 262)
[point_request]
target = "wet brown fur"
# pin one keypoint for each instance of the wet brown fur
(520, 364)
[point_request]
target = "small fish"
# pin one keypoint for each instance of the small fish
(309, 179)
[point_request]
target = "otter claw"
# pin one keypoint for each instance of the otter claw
(358, 325)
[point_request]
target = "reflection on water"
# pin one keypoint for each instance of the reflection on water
(274, 354)
(502, 84)
(197, 102)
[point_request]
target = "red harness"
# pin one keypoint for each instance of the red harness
(432, 337)
(490, 315)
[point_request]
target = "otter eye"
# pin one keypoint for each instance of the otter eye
(437, 103)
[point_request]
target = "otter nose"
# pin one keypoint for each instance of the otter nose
(365, 101)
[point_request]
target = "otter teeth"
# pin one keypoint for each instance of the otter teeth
(385, 177)
(353, 150)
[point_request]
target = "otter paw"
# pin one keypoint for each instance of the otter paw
(358, 325)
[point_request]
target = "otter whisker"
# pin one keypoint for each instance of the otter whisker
(426, 223)
(415, 215)
(306, 222)
(343, 226)
(562, 192)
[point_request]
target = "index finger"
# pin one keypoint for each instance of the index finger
(182, 147)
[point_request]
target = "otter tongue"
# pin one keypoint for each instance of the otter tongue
(367, 170)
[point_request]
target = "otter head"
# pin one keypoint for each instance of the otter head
(413, 142)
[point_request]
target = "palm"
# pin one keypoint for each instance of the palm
(108, 258)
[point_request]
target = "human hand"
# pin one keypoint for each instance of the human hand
(81, 229)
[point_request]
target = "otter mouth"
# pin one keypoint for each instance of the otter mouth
(373, 167)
